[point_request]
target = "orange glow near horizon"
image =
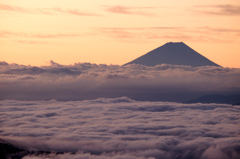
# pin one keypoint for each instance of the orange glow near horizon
(35, 32)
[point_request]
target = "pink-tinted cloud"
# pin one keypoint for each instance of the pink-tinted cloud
(54, 35)
(31, 42)
(36, 38)
(141, 34)
(47, 11)
(130, 10)
(223, 30)
(73, 12)
(5, 7)
(5, 34)
(225, 10)
(134, 33)
(206, 34)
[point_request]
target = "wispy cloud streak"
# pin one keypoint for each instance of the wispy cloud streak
(47, 11)
(5, 7)
(138, 34)
(130, 10)
(224, 10)
(73, 12)
(5, 34)
(206, 34)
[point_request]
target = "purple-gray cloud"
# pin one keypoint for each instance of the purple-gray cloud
(47, 11)
(225, 10)
(90, 81)
(136, 34)
(130, 10)
(6, 34)
(122, 128)
(199, 34)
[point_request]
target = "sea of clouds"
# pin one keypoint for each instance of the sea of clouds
(78, 111)
(83, 81)
(121, 128)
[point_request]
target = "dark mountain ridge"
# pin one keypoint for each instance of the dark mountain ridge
(217, 98)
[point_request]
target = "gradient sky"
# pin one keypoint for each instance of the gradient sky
(116, 32)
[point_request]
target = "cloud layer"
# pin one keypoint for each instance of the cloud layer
(90, 81)
(122, 128)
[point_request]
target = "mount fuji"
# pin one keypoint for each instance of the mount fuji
(174, 53)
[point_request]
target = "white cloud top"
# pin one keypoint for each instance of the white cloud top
(122, 128)
(90, 81)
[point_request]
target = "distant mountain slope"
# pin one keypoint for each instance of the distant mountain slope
(8, 151)
(217, 98)
(175, 54)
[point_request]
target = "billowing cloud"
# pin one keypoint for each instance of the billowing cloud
(122, 128)
(225, 10)
(130, 10)
(90, 81)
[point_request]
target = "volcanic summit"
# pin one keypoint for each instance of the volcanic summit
(174, 53)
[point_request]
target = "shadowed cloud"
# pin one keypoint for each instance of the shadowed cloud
(140, 34)
(122, 128)
(89, 81)
(47, 11)
(196, 34)
(6, 34)
(225, 10)
(73, 12)
(130, 10)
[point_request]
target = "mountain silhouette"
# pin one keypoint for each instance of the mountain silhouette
(174, 53)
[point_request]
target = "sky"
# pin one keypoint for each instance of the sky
(121, 128)
(116, 32)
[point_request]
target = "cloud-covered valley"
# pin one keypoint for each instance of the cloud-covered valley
(104, 111)
(122, 128)
(90, 81)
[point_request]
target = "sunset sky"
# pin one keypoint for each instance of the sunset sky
(116, 32)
